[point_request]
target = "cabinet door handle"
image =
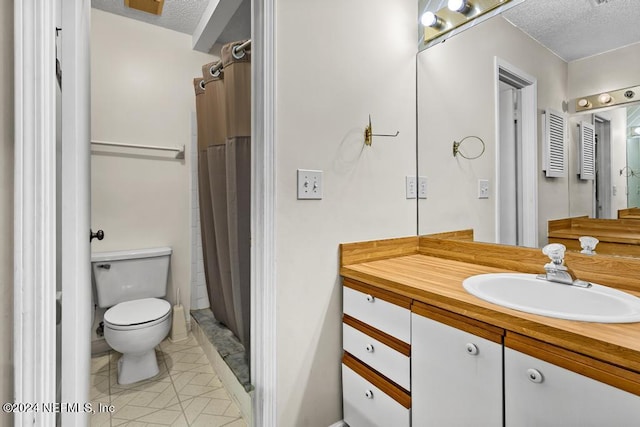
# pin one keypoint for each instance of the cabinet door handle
(472, 349)
(368, 394)
(369, 348)
(371, 298)
(534, 376)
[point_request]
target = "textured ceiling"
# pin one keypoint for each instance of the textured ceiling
(576, 29)
(177, 15)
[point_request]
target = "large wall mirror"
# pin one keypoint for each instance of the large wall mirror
(491, 87)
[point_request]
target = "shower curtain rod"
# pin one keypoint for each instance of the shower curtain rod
(237, 50)
(179, 154)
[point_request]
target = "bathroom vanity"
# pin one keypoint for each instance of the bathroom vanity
(630, 213)
(617, 236)
(420, 350)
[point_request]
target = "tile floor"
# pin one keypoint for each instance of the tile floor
(186, 392)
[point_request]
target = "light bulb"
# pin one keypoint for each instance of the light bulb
(458, 5)
(636, 130)
(584, 103)
(605, 98)
(430, 19)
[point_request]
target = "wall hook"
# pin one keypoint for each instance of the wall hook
(368, 133)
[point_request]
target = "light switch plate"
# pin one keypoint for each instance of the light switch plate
(483, 189)
(309, 184)
(410, 187)
(422, 187)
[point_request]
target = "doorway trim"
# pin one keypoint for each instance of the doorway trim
(34, 283)
(529, 89)
(263, 199)
(35, 202)
(603, 167)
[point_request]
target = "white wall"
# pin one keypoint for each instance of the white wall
(337, 62)
(6, 212)
(142, 92)
(456, 98)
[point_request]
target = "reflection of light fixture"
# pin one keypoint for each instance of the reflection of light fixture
(430, 19)
(636, 130)
(605, 98)
(460, 6)
(584, 103)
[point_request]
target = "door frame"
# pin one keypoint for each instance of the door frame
(35, 234)
(34, 282)
(528, 86)
(603, 167)
(263, 200)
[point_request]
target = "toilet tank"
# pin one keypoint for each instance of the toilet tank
(128, 275)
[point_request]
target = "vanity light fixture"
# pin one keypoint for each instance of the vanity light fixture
(455, 14)
(636, 130)
(430, 19)
(460, 6)
(606, 99)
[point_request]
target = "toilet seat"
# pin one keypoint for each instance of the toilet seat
(137, 314)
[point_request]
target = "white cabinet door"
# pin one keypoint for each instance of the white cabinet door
(456, 377)
(538, 393)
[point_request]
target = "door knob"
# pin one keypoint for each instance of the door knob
(97, 235)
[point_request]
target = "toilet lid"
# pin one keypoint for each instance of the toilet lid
(137, 311)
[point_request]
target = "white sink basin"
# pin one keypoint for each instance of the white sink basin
(526, 293)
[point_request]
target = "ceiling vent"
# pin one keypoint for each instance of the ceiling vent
(149, 6)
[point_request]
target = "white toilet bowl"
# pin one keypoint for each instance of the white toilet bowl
(134, 328)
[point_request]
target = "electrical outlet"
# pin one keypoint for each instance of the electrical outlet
(422, 187)
(483, 189)
(614, 190)
(309, 184)
(411, 190)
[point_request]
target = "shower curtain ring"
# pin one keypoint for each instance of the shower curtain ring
(202, 84)
(216, 69)
(237, 53)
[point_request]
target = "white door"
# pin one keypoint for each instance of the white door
(510, 185)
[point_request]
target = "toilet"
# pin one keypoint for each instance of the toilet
(132, 283)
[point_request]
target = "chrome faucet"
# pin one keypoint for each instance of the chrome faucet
(556, 271)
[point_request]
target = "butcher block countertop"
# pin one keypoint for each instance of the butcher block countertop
(430, 270)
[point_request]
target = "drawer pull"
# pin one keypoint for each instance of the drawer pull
(368, 394)
(371, 298)
(369, 348)
(534, 376)
(472, 349)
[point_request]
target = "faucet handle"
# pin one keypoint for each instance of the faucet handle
(588, 244)
(555, 251)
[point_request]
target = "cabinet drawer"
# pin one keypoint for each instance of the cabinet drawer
(382, 315)
(384, 359)
(365, 405)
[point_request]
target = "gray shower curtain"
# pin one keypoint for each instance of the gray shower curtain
(224, 161)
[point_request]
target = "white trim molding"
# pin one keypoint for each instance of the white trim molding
(263, 181)
(529, 90)
(35, 211)
(75, 259)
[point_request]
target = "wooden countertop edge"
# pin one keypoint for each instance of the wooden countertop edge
(597, 349)
(603, 236)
